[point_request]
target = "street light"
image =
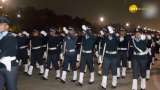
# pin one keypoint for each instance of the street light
(101, 19)
(133, 8)
(138, 26)
(127, 24)
(145, 28)
(18, 15)
(3, 1)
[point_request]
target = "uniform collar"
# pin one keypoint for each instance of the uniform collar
(3, 34)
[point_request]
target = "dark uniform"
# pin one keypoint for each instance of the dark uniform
(44, 45)
(149, 46)
(140, 59)
(53, 44)
(36, 53)
(78, 47)
(130, 52)
(8, 62)
(88, 42)
(157, 46)
(2, 82)
(110, 59)
(69, 55)
(123, 53)
(8, 50)
(101, 42)
(23, 43)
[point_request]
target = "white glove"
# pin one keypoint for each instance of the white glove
(14, 34)
(132, 37)
(102, 33)
(78, 57)
(25, 33)
(43, 33)
(121, 39)
(84, 27)
(149, 51)
(117, 34)
(62, 56)
(149, 37)
(45, 55)
(100, 59)
(29, 52)
(96, 54)
(111, 29)
(143, 37)
(65, 30)
(7, 62)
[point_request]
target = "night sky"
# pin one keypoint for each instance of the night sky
(112, 10)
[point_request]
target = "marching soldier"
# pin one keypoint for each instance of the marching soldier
(149, 45)
(22, 54)
(88, 41)
(100, 52)
(52, 53)
(140, 59)
(78, 49)
(44, 44)
(123, 53)
(130, 51)
(110, 56)
(8, 51)
(36, 52)
(70, 54)
(157, 45)
(153, 49)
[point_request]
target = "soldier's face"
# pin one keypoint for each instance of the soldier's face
(35, 34)
(4, 27)
(72, 32)
(19, 34)
(52, 33)
(138, 34)
(122, 33)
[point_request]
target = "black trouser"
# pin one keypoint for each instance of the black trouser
(10, 78)
(53, 59)
(149, 62)
(130, 54)
(122, 58)
(86, 59)
(70, 58)
(37, 56)
(139, 66)
(110, 62)
(23, 55)
(1, 81)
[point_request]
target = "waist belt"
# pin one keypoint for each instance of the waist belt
(36, 47)
(111, 52)
(141, 54)
(43, 46)
(123, 49)
(86, 51)
(71, 50)
(22, 47)
(131, 46)
(54, 48)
